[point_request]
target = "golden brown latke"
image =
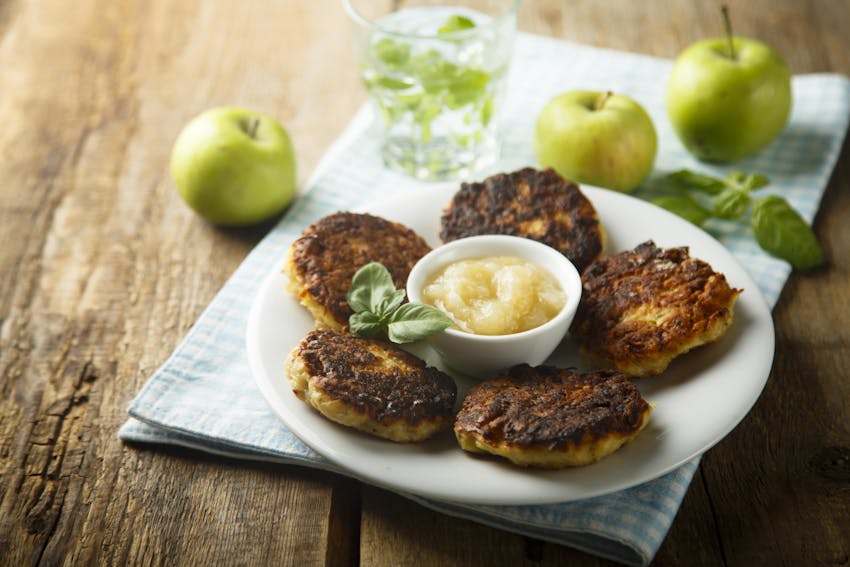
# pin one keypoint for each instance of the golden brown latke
(551, 417)
(371, 385)
(326, 256)
(641, 308)
(534, 204)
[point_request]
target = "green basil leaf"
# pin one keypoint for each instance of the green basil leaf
(415, 321)
(378, 308)
(456, 23)
(390, 303)
(731, 203)
(781, 231)
(755, 181)
(685, 207)
(369, 286)
(735, 178)
(746, 181)
(365, 324)
(685, 179)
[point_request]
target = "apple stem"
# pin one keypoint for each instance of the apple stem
(252, 127)
(727, 25)
(601, 100)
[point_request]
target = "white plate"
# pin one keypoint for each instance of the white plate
(698, 400)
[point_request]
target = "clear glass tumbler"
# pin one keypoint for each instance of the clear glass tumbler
(436, 74)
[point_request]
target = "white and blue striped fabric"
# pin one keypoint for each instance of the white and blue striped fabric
(203, 396)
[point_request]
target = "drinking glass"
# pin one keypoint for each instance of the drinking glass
(435, 73)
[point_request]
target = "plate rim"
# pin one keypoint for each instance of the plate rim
(264, 381)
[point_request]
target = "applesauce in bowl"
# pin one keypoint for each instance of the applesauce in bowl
(512, 300)
(495, 295)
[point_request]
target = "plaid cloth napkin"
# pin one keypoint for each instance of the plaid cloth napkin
(203, 396)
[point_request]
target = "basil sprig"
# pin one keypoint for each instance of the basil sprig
(379, 308)
(778, 228)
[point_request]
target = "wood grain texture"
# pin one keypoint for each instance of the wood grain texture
(104, 270)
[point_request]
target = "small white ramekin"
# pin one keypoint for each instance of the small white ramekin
(483, 356)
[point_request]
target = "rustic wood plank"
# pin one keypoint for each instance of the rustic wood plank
(104, 270)
(109, 269)
(397, 532)
(779, 483)
(693, 538)
(343, 540)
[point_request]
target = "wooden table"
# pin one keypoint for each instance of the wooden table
(104, 270)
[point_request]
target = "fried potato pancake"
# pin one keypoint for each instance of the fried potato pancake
(531, 203)
(329, 252)
(642, 308)
(371, 385)
(549, 417)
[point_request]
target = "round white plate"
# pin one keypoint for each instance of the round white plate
(698, 400)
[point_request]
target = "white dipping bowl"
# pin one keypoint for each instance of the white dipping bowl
(483, 356)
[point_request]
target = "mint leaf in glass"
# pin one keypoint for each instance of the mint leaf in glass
(467, 86)
(386, 82)
(432, 70)
(390, 52)
(456, 23)
(487, 110)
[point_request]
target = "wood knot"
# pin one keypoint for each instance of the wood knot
(37, 525)
(832, 463)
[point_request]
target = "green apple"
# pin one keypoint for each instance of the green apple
(234, 166)
(597, 138)
(727, 98)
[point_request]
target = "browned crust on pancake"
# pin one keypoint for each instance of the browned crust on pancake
(548, 416)
(331, 250)
(531, 203)
(641, 308)
(376, 379)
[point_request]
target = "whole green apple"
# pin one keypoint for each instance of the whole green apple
(234, 166)
(598, 138)
(728, 98)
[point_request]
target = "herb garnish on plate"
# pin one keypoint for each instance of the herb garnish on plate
(379, 308)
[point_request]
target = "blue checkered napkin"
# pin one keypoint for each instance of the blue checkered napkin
(204, 397)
